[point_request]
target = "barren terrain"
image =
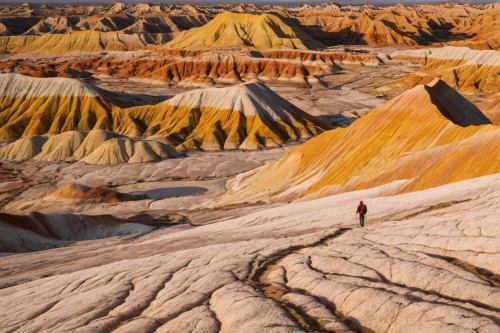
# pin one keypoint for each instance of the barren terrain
(197, 168)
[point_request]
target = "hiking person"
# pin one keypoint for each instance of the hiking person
(362, 210)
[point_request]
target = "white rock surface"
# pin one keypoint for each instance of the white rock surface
(426, 262)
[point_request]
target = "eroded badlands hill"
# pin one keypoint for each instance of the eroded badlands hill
(94, 147)
(426, 137)
(248, 116)
(33, 106)
(201, 68)
(262, 32)
(462, 68)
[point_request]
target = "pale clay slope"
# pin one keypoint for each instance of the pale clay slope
(94, 147)
(15, 85)
(387, 277)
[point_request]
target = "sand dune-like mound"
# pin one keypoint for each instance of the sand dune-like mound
(94, 147)
(426, 137)
(244, 30)
(462, 68)
(23, 149)
(33, 106)
(82, 193)
(125, 150)
(61, 147)
(93, 41)
(248, 116)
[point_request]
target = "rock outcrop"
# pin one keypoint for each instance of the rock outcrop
(33, 106)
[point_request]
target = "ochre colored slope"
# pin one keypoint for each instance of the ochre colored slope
(32, 106)
(426, 137)
(92, 41)
(10, 43)
(462, 68)
(262, 32)
(248, 116)
(491, 108)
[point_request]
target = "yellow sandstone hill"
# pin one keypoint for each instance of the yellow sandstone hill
(94, 147)
(34, 106)
(262, 32)
(426, 137)
(247, 116)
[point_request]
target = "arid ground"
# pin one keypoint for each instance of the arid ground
(197, 168)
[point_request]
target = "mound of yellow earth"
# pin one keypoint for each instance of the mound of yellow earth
(10, 43)
(247, 116)
(264, 31)
(94, 147)
(92, 41)
(35, 106)
(462, 68)
(426, 137)
(77, 192)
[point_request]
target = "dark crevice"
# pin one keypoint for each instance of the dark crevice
(259, 268)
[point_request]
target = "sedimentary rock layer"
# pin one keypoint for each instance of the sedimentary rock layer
(462, 68)
(429, 264)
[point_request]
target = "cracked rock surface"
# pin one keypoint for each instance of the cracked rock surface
(426, 261)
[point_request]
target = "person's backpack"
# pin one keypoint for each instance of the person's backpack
(362, 209)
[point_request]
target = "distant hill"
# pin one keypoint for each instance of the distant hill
(262, 32)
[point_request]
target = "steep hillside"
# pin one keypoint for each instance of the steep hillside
(32, 106)
(426, 137)
(248, 116)
(262, 32)
(12, 43)
(462, 68)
